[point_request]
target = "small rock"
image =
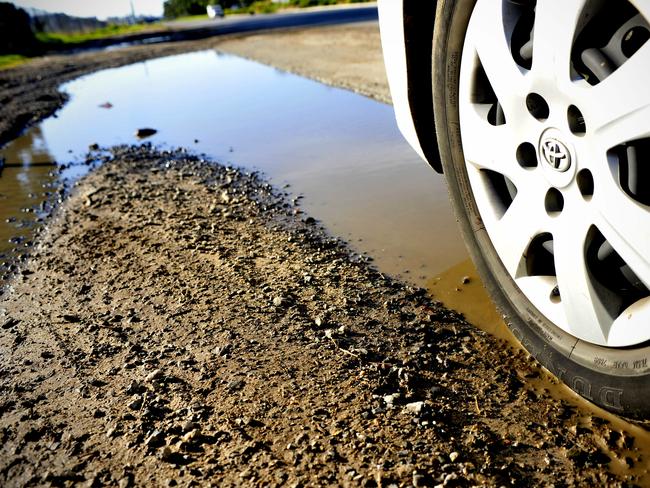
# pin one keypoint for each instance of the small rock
(166, 453)
(222, 350)
(453, 456)
(418, 479)
(192, 436)
(125, 482)
(466, 280)
(156, 439)
(135, 403)
(390, 399)
(145, 132)
(318, 321)
(189, 426)
(9, 323)
(415, 407)
(278, 301)
(154, 375)
(133, 388)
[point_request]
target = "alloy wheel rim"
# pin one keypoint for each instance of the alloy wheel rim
(555, 124)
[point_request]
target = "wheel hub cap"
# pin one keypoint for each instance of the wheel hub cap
(556, 154)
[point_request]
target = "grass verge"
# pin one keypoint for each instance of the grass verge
(11, 60)
(108, 31)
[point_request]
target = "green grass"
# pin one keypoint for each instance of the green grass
(268, 7)
(189, 18)
(108, 31)
(11, 60)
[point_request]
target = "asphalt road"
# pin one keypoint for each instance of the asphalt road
(200, 29)
(294, 18)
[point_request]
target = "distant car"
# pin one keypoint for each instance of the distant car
(215, 11)
(538, 114)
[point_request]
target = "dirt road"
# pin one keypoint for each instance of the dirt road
(178, 323)
(182, 323)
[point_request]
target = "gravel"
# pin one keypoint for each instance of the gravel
(179, 369)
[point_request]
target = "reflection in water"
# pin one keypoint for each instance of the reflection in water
(341, 150)
(24, 190)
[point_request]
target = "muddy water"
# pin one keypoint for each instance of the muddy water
(341, 151)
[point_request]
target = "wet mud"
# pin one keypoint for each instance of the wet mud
(180, 323)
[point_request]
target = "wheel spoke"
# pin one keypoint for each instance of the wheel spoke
(487, 34)
(618, 108)
(540, 288)
(586, 317)
(626, 225)
(553, 33)
(513, 233)
(489, 147)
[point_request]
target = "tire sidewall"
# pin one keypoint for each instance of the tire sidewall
(616, 380)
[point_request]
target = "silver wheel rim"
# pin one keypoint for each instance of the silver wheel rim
(555, 124)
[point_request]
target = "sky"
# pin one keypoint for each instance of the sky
(95, 8)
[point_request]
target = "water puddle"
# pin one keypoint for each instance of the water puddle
(338, 149)
(341, 150)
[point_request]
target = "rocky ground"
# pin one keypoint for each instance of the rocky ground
(182, 323)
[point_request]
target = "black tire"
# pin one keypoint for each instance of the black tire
(616, 379)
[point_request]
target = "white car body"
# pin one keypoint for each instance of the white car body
(406, 33)
(393, 41)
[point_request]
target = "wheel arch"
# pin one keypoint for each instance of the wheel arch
(407, 39)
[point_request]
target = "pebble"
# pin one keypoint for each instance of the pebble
(166, 453)
(466, 280)
(277, 301)
(390, 399)
(156, 439)
(135, 403)
(192, 436)
(145, 132)
(418, 479)
(415, 407)
(453, 456)
(154, 375)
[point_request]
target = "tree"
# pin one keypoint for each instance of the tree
(16, 36)
(180, 8)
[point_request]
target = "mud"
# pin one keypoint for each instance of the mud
(182, 323)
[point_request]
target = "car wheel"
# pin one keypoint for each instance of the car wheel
(542, 114)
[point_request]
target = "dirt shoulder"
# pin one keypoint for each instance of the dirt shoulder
(181, 323)
(346, 56)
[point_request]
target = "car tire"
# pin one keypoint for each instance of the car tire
(615, 378)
